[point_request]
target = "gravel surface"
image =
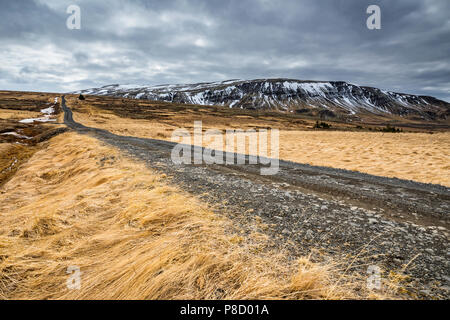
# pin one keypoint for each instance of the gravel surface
(380, 221)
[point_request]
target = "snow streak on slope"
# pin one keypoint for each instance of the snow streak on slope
(285, 95)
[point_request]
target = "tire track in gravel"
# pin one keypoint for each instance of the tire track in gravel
(386, 222)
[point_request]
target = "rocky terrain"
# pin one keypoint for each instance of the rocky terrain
(328, 99)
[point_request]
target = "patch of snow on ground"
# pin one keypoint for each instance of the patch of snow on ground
(49, 110)
(12, 133)
(45, 119)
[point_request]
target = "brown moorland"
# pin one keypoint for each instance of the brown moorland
(420, 152)
(77, 202)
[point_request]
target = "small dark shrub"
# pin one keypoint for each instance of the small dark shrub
(388, 128)
(322, 125)
(81, 97)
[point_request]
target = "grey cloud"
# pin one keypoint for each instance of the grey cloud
(197, 40)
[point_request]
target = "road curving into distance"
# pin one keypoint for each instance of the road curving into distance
(383, 221)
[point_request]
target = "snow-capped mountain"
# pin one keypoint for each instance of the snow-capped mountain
(331, 98)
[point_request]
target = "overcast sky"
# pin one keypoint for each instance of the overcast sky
(187, 41)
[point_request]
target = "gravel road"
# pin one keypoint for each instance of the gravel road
(385, 222)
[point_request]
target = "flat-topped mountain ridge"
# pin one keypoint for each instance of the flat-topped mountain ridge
(330, 98)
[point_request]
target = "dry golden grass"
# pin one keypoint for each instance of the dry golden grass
(415, 156)
(12, 156)
(93, 117)
(421, 157)
(11, 114)
(174, 115)
(25, 101)
(79, 203)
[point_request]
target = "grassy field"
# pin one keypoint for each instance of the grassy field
(69, 200)
(79, 203)
(419, 155)
(17, 106)
(18, 140)
(12, 156)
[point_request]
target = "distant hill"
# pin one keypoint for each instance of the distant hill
(332, 98)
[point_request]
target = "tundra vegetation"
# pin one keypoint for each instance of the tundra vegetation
(77, 202)
(69, 200)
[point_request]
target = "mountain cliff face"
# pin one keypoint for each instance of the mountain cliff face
(328, 98)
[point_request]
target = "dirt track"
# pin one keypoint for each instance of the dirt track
(385, 222)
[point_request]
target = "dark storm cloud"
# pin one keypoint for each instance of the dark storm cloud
(191, 41)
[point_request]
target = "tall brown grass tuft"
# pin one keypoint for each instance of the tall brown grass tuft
(80, 203)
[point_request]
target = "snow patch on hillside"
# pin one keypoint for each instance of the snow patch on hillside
(281, 94)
